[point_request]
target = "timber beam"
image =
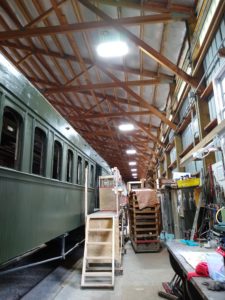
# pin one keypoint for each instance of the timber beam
(26, 32)
(106, 85)
(154, 110)
(64, 56)
(152, 6)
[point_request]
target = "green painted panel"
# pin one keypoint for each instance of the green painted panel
(35, 210)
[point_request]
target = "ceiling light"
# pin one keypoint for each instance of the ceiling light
(132, 163)
(134, 174)
(126, 127)
(112, 49)
(133, 170)
(131, 151)
(10, 128)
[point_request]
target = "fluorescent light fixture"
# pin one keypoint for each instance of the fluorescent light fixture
(10, 128)
(131, 151)
(126, 127)
(132, 163)
(133, 170)
(134, 174)
(112, 49)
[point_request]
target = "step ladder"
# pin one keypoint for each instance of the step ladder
(99, 252)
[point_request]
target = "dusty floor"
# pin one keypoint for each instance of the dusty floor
(141, 280)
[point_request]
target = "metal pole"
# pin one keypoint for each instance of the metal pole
(63, 247)
(86, 194)
(117, 196)
(47, 260)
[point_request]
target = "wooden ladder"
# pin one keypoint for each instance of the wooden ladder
(99, 252)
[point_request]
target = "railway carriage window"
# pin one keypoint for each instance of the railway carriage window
(57, 160)
(10, 144)
(86, 167)
(69, 170)
(92, 176)
(39, 151)
(79, 170)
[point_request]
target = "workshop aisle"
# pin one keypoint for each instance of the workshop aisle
(141, 280)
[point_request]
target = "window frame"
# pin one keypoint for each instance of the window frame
(44, 159)
(59, 174)
(79, 169)
(219, 99)
(86, 165)
(92, 175)
(71, 166)
(19, 117)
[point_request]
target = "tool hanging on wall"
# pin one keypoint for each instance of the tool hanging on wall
(194, 227)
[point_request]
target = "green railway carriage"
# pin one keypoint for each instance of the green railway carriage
(42, 167)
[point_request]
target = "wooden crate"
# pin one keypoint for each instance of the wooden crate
(107, 196)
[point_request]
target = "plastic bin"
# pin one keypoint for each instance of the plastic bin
(188, 182)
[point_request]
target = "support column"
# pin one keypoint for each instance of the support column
(168, 171)
(202, 113)
(179, 149)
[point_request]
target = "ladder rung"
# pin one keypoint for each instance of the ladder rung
(97, 285)
(145, 235)
(99, 243)
(145, 229)
(99, 257)
(96, 274)
(100, 229)
(145, 217)
(146, 223)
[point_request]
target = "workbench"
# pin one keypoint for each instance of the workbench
(193, 289)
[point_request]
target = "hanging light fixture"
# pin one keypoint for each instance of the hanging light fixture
(111, 45)
(131, 151)
(126, 127)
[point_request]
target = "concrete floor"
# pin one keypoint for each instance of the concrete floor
(141, 280)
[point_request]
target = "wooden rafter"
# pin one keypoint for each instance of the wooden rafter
(152, 6)
(44, 15)
(154, 110)
(126, 143)
(107, 85)
(115, 115)
(63, 21)
(36, 69)
(162, 60)
(108, 133)
(113, 98)
(151, 136)
(64, 56)
(49, 30)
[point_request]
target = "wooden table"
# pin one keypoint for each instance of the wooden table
(194, 288)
